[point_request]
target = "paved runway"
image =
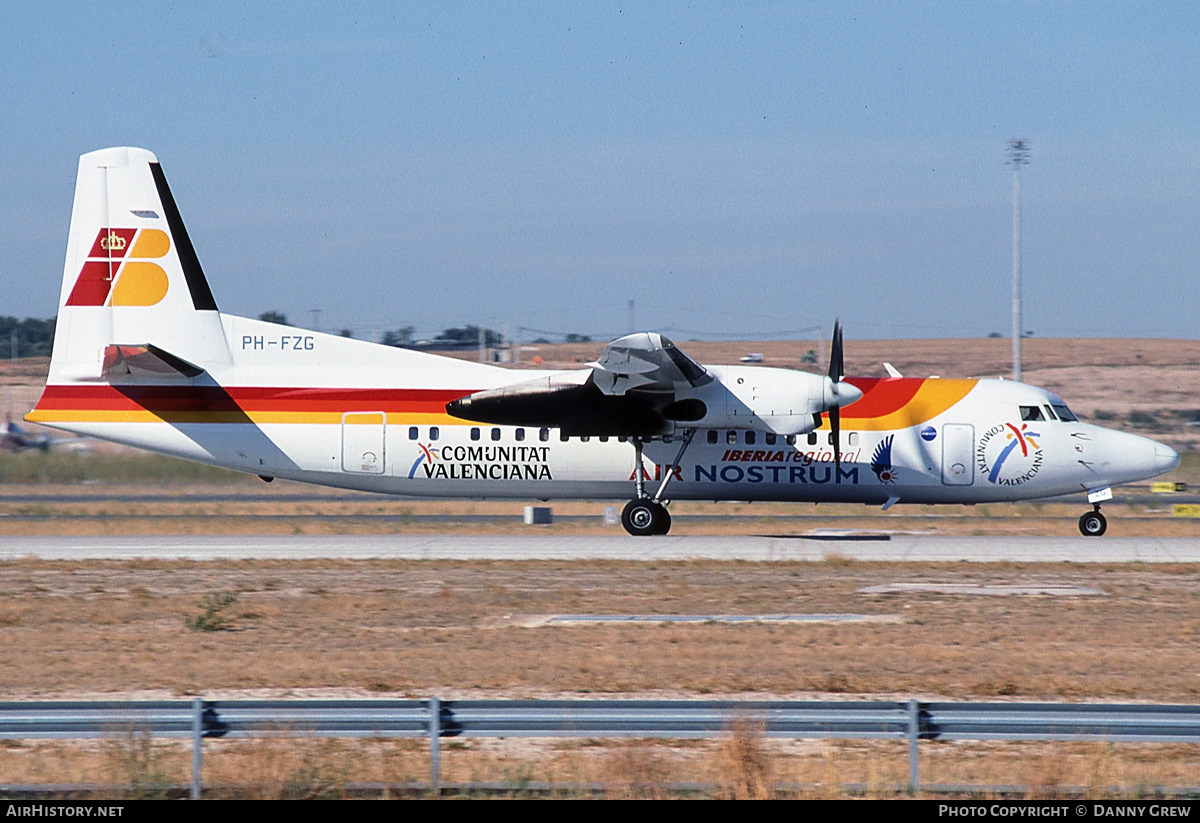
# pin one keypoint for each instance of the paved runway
(873, 547)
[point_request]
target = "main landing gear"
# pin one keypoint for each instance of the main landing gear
(644, 515)
(1093, 523)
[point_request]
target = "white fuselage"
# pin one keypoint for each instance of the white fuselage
(337, 412)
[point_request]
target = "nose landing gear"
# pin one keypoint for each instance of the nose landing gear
(1093, 523)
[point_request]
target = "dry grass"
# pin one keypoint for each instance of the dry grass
(743, 764)
(637, 769)
(456, 628)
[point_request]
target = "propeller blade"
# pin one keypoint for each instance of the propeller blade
(837, 370)
(837, 364)
(835, 425)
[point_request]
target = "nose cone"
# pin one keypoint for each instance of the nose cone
(1125, 458)
(1165, 458)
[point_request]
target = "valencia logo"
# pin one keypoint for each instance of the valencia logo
(1011, 460)
(118, 271)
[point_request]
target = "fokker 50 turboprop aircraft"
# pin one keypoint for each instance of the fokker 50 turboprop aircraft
(142, 356)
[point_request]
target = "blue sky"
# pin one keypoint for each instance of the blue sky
(739, 170)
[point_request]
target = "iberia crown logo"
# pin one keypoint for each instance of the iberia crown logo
(118, 271)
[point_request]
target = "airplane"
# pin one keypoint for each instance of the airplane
(144, 357)
(17, 439)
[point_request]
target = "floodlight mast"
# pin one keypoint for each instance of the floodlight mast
(1018, 155)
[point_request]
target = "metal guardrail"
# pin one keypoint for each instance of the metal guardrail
(436, 719)
(1131, 723)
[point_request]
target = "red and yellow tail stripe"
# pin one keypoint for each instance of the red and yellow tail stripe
(259, 405)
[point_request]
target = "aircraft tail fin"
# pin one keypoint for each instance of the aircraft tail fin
(132, 282)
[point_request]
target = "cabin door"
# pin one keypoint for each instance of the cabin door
(362, 442)
(958, 454)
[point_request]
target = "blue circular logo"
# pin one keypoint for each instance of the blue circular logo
(928, 433)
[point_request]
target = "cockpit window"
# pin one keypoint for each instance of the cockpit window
(1050, 413)
(1065, 414)
(1031, 413)
(692, 371)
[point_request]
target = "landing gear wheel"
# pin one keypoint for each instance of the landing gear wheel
(643, 518)
(665, 525)
(1092, 524)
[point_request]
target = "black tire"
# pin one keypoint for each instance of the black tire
(665, 525)
(643, 518)
(1092, 524)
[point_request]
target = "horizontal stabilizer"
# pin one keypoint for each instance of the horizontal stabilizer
(145, 361)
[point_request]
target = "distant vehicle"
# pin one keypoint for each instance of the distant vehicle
(17, 439)
(143, 357)
(752, 357)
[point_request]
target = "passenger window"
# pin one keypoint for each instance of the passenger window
(731, 437)
(520, 434)
(770, 439)
(604, 438)
(563, 436)
(474, 433)
(412, 432)
(622, 439)
(1031, 413)
(749, 438)
(434, 433)
(812, 438)
(543, 435)
(853, 438)
(830, 438)
(495, 434)
(585, 438)
(712, 436)
(790, 439)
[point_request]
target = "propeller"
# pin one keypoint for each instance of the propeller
(837, 370)
(840, 393)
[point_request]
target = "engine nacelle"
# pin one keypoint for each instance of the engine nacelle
(730, 397)
(765, 399)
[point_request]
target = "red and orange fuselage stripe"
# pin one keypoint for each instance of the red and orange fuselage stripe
(886, 404)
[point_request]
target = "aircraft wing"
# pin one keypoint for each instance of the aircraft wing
(628, 391)
(645, 362)
(643, 385)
